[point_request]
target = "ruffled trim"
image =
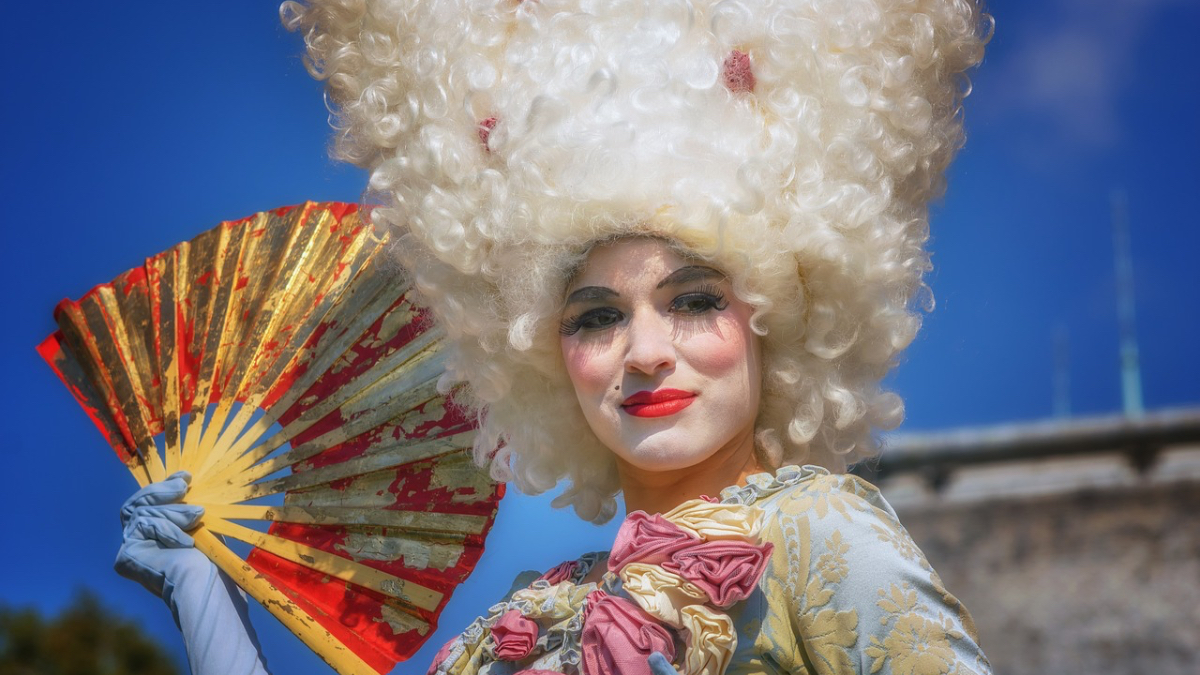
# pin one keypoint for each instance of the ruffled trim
(684, 568)
(557, 609)
(579, 570)
(762, 485)
(719, 563)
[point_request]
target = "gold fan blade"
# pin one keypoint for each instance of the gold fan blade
(274, 357)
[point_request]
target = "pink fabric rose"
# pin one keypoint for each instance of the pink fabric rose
(647, 539)
(618, 637)
(727, 570)
(560, 572)
(514, 635)
(442, 655)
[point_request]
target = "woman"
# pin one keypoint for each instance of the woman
(706, 220)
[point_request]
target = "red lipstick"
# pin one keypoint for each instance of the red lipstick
(657, 403)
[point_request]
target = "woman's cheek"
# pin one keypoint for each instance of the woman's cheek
(586, 370)
(719, 351)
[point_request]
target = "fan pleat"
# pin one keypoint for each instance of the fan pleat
(352, 314)
(408, 594)
(449, 526)
(308, 311)
(71, 371)
(356, 397)
(160, 287)
(274, 356)
(359, 621)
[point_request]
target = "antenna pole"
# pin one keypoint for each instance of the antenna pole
(1062, 372)
(1131, 377)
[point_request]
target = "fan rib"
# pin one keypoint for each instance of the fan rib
(318, 445)
(308, 313)
(126, 307)
(269, 297)
(368, 418)
(409, 594)
(378, 461)
(213, 262)
(83, 321)
(383, 374)
(323, 355)
(72, 372)
(259, 266)
(438, 526)
(161, 272)
(300, 622)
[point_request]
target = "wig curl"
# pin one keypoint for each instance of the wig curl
(794, 144)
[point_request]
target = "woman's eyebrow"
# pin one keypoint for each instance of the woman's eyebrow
(591, 293)
(688, 274)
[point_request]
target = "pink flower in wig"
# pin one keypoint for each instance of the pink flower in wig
(514, 635)
(618, 637)
(727, 570)
(738, 73)
(647, 539)
(560, 572)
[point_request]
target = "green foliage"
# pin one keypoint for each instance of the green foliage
(85, 639)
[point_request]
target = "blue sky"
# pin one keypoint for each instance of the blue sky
(132, 126)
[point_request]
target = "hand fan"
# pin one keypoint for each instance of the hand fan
(277, 360)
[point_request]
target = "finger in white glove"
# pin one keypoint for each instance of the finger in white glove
(659, 665)
(208, 607)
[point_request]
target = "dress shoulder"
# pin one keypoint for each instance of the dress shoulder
(859, 594)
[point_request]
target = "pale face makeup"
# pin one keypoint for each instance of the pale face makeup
(662, 357)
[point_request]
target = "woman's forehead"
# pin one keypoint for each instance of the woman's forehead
(629, 259)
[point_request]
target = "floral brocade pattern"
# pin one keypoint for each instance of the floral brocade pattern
(842, 589)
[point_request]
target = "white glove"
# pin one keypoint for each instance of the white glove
(208, 607)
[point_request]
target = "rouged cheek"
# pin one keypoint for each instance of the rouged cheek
(589, 372)
(718, 351)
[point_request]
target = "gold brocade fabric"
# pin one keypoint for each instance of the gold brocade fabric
(845, 591)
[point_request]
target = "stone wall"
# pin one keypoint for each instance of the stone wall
(1100, 580)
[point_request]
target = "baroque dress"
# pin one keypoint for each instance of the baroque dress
(801, 571)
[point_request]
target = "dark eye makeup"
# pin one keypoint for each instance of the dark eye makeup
(699, 301)
(598, 318)
(692, 303)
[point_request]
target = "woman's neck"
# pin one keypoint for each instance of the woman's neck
(661, 491)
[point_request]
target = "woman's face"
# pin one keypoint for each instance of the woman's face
(661, 355)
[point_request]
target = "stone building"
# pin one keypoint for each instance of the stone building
(1075, 544)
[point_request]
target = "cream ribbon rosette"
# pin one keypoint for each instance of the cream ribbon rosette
(686, 566)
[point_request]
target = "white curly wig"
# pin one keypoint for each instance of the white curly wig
(795, 144)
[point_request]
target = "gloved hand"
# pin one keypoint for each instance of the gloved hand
(208, 607)
(156, 552)
(659, 665)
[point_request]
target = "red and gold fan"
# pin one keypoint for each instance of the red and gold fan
(278, 361)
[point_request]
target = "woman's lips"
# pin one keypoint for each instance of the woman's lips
(657, 403)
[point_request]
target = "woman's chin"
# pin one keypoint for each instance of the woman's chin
(666, 451)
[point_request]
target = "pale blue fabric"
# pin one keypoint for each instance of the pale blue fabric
(208, 607)
(659, 665)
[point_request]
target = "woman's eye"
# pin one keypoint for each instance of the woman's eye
(698, 303)
(591, 320)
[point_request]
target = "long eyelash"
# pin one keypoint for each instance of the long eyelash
(570, 326)
(719, 302)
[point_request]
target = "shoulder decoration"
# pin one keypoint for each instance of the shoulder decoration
(670, 579)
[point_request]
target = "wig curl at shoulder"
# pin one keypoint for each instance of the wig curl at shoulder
(794, 144)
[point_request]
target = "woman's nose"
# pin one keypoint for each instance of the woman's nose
(651, 346)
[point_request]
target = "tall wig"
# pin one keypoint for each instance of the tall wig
(795, 144)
